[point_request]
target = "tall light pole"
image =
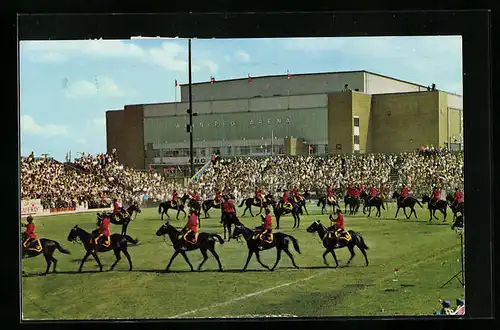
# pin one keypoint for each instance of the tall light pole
(190, 112)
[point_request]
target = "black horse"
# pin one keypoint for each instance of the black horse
(228, 220)
(210, 204)
(48, 247)
(439, 205)
(179, 206)
(454, 206)
(206, 241)
(353, 204)
(323, 201)
(404, 203)
(118, 244)
(124, 218)
(330, 241)
(249, 202)
(458, 223)
(301, 202)
(280, 211)
(369, 202)
(280, 241)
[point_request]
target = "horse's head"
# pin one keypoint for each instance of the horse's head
(425, 198)
(73, 233)
(314, 227)
(395, 195)
(163, 230)
(239, 229)
(135, 208)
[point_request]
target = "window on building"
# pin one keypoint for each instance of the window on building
(229, 150)
(356, 121)
(281, 149)
(157, 153)
(356, 139)
(244, 150)
(326, 149)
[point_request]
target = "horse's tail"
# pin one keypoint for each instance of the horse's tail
(131, 240)
(159, 208)
(242, 202)
(361, 241)
(60, 248)
(294, 242)
(221, 241)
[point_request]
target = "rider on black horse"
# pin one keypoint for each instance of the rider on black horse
(404, 193)
(338, 228)
(30, 236)
(296, 195)
(286, 202)
(218, 197)
(228, 209)
(373, 193)
(173, 202)
(458, 197)
(104, 231)
(436, 195)
(330, 195)
(190, 231)
(265, 235)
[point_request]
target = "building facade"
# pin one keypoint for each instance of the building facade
(310, 113)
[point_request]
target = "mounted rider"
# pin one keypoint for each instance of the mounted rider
(175, 196)
(404, 193)
(228, 209)
(355, 193)
(265, 235)
(296, 196)
(190, 231)
(259, 196)
(330, 196)
(104, 231)
(218, 197)
(117, 210)
(436, 195)
(30, 237)
(373, 193)
(339, 228)
(286, 201)
(458, 197)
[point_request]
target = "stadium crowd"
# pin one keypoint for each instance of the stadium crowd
(96, 180)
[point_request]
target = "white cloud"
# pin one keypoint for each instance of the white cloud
(243, 56)
(29, 126)
(169, 55)
(100, 86)
(81, 141)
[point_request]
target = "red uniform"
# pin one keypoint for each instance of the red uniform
(295, 193)
(193, 222)
(104, 228)
(361, 188)
(350, 192)
(373, 192)
(30, 231)
(436, 195)
(404, 192)
(116, 208)
(217, 196)
(174, 196)
(228, 207)
(196, 197)
(285, 197)
(459, 197)
(261, 193)
(257, 194)
(355, 193)
(340, 222)
(268, 222)
(330, 192)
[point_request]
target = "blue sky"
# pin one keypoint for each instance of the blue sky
(67, 86)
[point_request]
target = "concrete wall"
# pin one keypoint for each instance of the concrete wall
(405, 121)
(455, 101)
(455, 124)
(274, 86)
(443, 120)
(361, 107)
(340, 122)
(125, 132)
(375, 84)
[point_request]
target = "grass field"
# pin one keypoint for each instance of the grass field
(427, 255)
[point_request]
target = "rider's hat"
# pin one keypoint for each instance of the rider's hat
(29, 218)
(339, 211)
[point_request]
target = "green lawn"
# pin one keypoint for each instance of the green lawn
(426, 256)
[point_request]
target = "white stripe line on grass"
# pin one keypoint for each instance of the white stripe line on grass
(248, 295)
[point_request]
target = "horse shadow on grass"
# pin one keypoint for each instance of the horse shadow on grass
(28, 275)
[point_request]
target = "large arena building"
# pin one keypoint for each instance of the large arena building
(300, 114)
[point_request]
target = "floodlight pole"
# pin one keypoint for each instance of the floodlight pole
(191, 151)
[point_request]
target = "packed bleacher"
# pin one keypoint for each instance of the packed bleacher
(100, 178)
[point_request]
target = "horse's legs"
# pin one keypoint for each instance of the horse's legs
(178, 211)
(94, 254)
(250, 209)
(49, 259)
(83, 260)
(305, 208)
(183, 253)
(396, 216)
(250, 253)
(351, 249)
(224, 225)
(406, 215)
(335, 257)
(291, 257)
(324, 257)
(205, 257)
(278, 257)
(369, 211)
(260, 211)
(229, 229)
(172, 259)
(257, 254)
(444, 213)
(118, 257)
(364, 254)
(212, 250)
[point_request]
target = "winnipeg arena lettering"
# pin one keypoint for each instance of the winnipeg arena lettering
(260, 121)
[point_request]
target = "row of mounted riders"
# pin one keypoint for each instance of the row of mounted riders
(297, 204)
(188, 239)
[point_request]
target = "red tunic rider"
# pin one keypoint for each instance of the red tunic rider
(296, 196)
(436, 195)
(265, 235)
(228, 210)
(116, 209)
(173, 203)
(191, 229)
(218, 197)
(404, 193)
(458, 197)
(30, 236)
(331, 197)
(373, 193)
(355, 193)
(339, 228)
(350, 191)
(104, 231)
(286, 202)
